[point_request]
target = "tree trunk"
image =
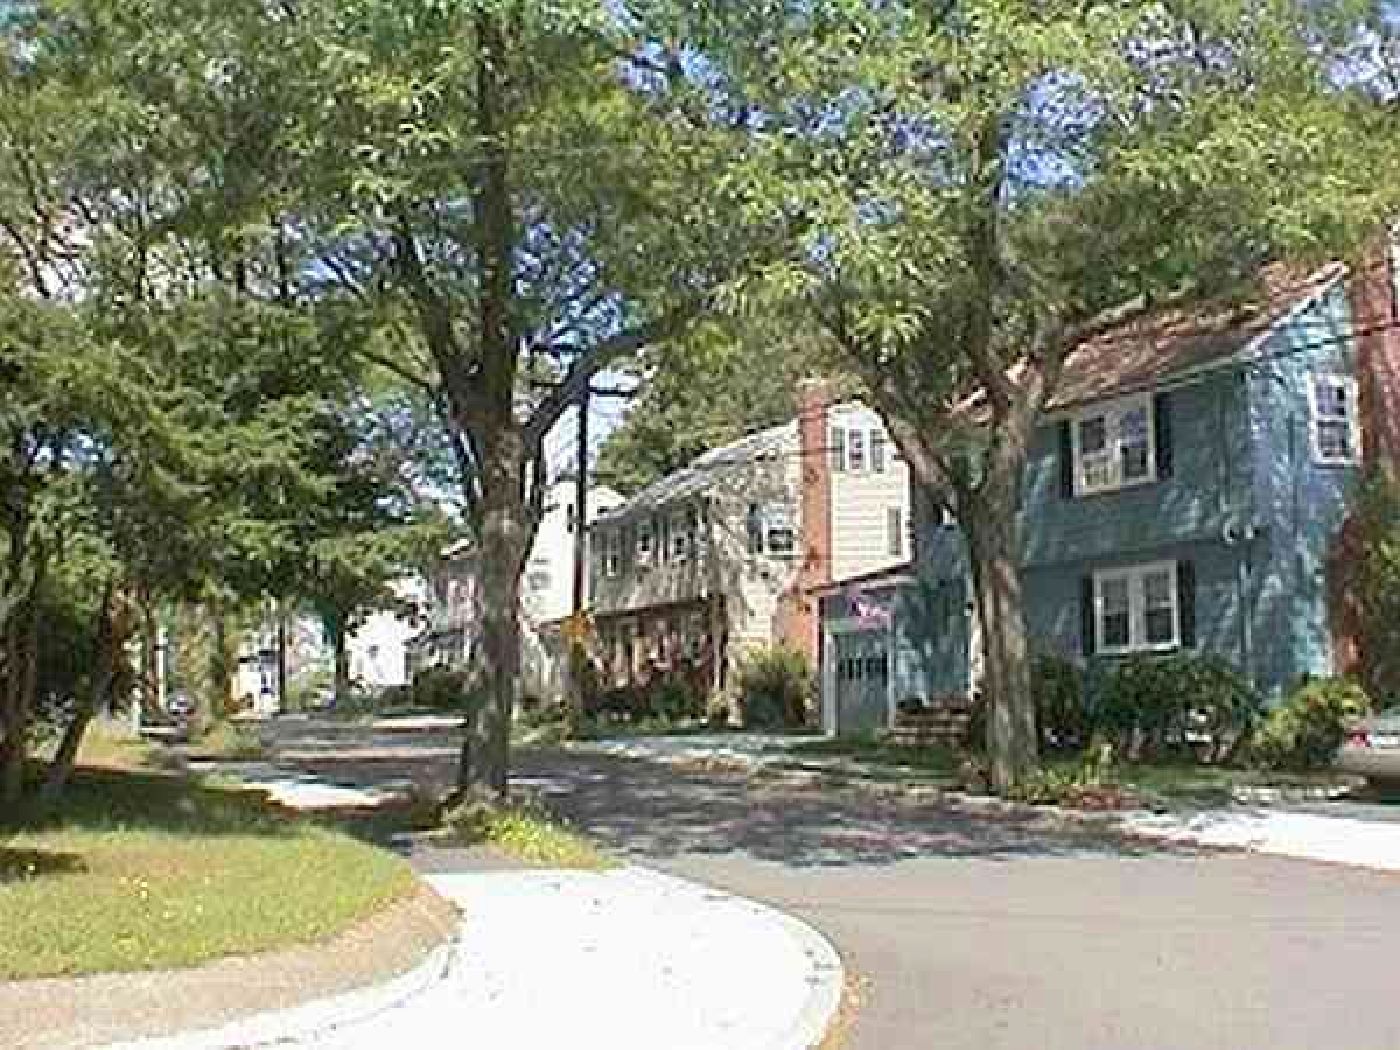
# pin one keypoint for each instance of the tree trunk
(340, 687)
(222, 660)
(22, 685)
(282, 705)
(1011, 728)
(97, 698)
(485, 761)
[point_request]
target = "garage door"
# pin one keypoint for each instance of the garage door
(862, 681)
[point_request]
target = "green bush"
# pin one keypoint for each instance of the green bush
(1061, 711)
(1183, 704)
(1305, 731)
(775, 688)
(441, 689)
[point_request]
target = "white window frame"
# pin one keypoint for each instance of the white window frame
(1135, 576)
(1112, 413)
(612, 554)
(779, 518)
(646, 541)
(838, 449)
(857, 451)
(682, 540)
(878, 450)
(1353, 419)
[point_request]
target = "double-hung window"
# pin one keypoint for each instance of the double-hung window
(646, 541)
(612, 553)
(1137, 609)
(1114, 446)
(780, 534)
(1335, 419)
(858, 450)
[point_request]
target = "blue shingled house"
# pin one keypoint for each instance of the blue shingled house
(1185, 491)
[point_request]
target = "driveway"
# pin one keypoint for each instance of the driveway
(978, 931)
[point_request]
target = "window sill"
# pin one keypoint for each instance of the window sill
(1109, 490)
(1139, 650)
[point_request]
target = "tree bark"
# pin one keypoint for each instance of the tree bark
(1011, 727)
(485, 760)
(23, 682)
(340, 686)
(97, 698)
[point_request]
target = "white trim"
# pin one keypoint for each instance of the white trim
(1112, 413)
(1133, 576)
(1353, 418)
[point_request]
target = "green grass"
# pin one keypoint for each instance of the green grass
(1186, 783)
(229, 742)
(525, 832)
(138, 871)
(877, 750)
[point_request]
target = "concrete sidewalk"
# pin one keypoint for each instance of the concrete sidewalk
(622, 959)
(1280, 833)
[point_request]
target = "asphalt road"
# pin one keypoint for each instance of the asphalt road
(974, 931)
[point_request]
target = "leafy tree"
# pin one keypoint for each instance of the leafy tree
(523, 193)
(712, 386)
(987, 184)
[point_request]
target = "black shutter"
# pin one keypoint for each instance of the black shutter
(1066, 461)
(1186, 602)
(1162, 433)
(1087, 627)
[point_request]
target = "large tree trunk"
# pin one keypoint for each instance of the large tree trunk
(1011, 725)
(485, 761)
(22, 681)
(340, 686)
(97, 698)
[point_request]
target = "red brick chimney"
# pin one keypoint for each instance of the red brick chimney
(800, 626)
(1376, 318)
(1372, 289)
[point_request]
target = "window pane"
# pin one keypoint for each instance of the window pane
(1334, 439)
(838, 449)
(753, 526)
(877, 452)
(1115, 630)
(1157, 589)
(1093, 435)
(1133, 443)
(1331, 398)
(894, 531)
(1113, 593)
(855, 450)
(1096, 471)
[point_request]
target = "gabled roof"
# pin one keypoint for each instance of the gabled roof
(1168, 344)
(705, 470)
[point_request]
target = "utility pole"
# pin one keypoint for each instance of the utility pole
(581, 507)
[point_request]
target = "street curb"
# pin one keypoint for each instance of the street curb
(315, 1019)
(826, 974)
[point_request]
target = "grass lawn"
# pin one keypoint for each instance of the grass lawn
(1190, 784)
(877, 750)
(230, 742)
(524, 831)
(142, 870)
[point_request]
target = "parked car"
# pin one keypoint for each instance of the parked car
(1372, 748)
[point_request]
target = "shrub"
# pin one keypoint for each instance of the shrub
(1305, 731)
(775, 688)
(441, 689)
(673, 698)
(1061, 712)
(1183, 703)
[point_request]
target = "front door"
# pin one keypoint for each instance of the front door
(862, 681)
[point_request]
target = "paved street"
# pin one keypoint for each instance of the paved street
(974, 931)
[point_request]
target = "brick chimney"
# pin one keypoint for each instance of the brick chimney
(1373, 289)
(1376, 317)
(800, 627)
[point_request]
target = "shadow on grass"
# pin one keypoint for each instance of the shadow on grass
(22, 865)
(112, 800)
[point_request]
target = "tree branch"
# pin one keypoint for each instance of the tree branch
(593, 360)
